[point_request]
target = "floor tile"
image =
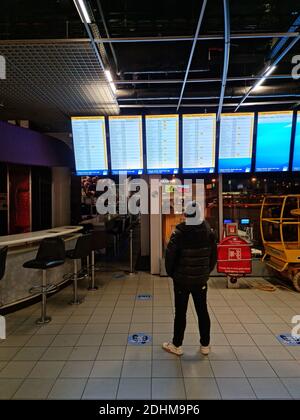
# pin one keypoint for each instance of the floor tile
(227, 369)
(201, 389)
(240, 340)
(40, 340)
(72, 329)
(8, 387)
(7, 353)
(197, 369)
(106, 369)
(233, 329)
(221, 353)
(159, 354)
(49, 329)
(166, 369)
(67, 389)
(115, 340)
(76, 369)
(275, 353)
(34, 389)
(138, 353)
(285, 369)
(257, 328)
(269, 388)
(134, 389)
(136, 369)
(111, 353)
(235, 388)
(17, 369)
(65, 340)
(168, 389)
(90, 340)
(248, 353)
(293, 386)
(101, 389)
(30, 353)
(84, 353)
(15, 341)
(257, 369)
(46, 369)
(265, 340)
(57, 353)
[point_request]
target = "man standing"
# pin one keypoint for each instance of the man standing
(190, 257)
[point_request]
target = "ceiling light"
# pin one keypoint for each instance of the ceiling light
(108, 75)
(270, 70)
(83, 11)
(113, 87)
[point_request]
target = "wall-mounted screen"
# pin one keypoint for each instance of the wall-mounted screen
(162, 144)
(236, 141)
(274, 130)
(199, 143)
(296, 157)
(89, 140)
(126, 144)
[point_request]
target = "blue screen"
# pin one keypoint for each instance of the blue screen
(296, 159)
(126, 144)
(89, 140)
(162, 144)
(245, 221)
(236, 139)
(274, 131)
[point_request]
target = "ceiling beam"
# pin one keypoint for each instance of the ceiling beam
(226, 55)
(204, 80)
(271, 64)
(192, 51)
(208, 105)
(250, 35)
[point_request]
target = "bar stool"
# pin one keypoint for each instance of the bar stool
(82, 250)
(98, 241)
(3, 254)
(51, 253)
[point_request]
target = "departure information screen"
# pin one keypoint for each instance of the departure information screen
(162, 144)
(126, 144)
(236, 141)
(89, 142)
(296, 158)
(273, 144)
(199, 143)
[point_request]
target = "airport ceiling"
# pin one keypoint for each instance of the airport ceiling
(55, 63)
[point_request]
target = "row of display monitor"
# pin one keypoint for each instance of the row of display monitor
(197, 144)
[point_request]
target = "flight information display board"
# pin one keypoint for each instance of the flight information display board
(236, 142)
(89, 140)
(126, 144)
(274, 130)
(199, 143)
(296, 158)
(162, 144)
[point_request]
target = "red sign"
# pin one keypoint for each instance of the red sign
(234, 256)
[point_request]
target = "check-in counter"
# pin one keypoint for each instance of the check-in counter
(17, 281)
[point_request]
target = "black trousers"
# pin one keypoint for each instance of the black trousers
(181, 303)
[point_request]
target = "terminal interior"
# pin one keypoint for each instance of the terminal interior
(139, 108)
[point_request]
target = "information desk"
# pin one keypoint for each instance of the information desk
(15, 285)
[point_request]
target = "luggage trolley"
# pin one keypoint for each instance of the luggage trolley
(234, 259)
(280, 232)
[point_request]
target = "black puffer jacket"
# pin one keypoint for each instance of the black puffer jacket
(191, 254)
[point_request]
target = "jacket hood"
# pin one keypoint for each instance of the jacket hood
(183, 227)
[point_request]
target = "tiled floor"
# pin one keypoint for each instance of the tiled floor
(83, 352)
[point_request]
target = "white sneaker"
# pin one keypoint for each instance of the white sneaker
(170, 348)
(205, 350)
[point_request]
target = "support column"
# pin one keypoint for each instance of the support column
(61, 196)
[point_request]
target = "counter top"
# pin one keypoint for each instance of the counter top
(22, 238)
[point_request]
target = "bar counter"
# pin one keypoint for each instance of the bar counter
(15, 285)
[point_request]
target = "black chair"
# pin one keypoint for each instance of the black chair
(82, 250)
(51, 253)
(115, 228)
(3, 254)
(98, 241)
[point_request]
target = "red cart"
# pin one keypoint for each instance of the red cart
(234, 258)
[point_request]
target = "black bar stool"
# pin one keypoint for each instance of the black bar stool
(3, 254)
(82, 250)
(51, 253)
(98, 241)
